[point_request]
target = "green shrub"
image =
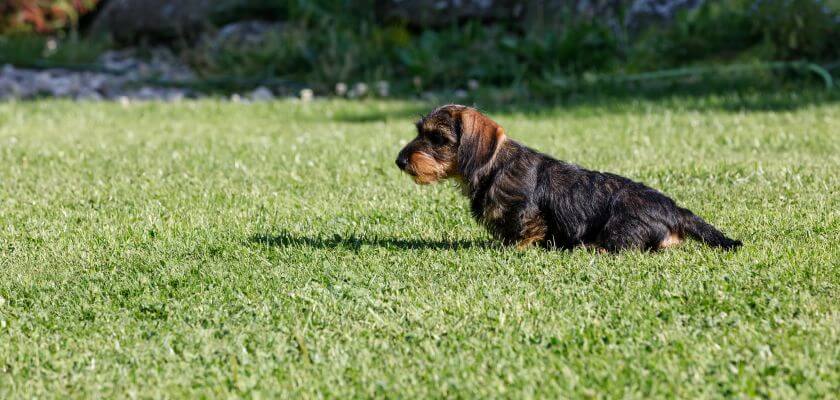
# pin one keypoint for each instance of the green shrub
(323, 42)
(444, 58)
(765, 30)
(799, 29)
(30, 50)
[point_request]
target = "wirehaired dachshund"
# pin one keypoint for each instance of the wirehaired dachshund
(526, 198)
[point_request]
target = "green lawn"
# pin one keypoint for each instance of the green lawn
(214, 249)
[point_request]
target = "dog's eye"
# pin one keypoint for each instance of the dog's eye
(437, 139)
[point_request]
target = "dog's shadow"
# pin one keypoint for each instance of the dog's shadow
(353, 242)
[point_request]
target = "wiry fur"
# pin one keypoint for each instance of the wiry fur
(525, 197)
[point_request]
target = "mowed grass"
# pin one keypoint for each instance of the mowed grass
(214, 249)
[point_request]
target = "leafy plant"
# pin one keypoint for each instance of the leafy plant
(42, 16)
(798, 28)
(720, 31)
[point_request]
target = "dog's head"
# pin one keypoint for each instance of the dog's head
(452, 141)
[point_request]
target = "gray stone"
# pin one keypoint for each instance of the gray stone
(634, 15)
(242, 34)
(383, 88)
(645, 13)
(261, 93)
(130, 21)
(88, 95)
(442, 13)
(9, 89)
(162, 64)
(175, 95)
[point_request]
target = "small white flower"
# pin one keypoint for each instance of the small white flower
(306, 95)
(360, 88)
(51, 46)
(341, 88)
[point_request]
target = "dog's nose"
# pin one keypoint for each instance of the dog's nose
(402, 161)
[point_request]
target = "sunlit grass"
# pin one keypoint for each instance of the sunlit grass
(218, 249)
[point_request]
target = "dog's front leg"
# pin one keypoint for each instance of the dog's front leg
(531, 232)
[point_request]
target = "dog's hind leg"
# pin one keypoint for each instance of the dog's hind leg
(637, 227)
(627, 234)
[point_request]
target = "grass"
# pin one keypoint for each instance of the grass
(33, 51)
(214, 249)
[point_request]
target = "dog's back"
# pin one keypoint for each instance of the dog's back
(572, 206)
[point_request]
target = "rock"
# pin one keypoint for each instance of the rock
(383, 88)
(644, 13)
(88, 95)
(442, 13)
(131, 21)
(261, 93)
(87, 85)
(242, 34)
(149, 93)
(9, 89)
(118, 60)
(62, 86)
(146, 93)
(95, 81)
(162, 64)
(175, 95)
(634, 15)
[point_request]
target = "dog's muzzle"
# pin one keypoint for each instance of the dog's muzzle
(402, 162)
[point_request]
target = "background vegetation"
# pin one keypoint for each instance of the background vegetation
(354, 46)
(323, 42)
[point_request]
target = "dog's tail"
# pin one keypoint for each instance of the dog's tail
(701, 230)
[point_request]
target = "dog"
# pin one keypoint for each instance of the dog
(527, 198)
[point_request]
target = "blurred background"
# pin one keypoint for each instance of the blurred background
(458, 50)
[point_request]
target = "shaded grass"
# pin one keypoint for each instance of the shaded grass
(218, 249)
(30, 51)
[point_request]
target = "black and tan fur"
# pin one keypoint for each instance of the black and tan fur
(528, 198)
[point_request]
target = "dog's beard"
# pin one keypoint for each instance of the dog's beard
(425, 169)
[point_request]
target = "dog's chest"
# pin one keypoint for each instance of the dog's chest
(498, 210)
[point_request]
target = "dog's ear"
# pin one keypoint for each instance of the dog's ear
(480, 140)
